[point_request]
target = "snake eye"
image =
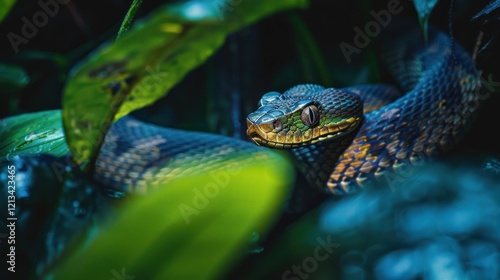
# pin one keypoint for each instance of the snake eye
(310, 115)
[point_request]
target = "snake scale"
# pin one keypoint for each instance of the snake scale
(340, 137)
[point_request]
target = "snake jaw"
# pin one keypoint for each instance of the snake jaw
(259, 134)
(255, 133)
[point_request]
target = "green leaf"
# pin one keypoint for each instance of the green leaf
(129, 17)
(5, 6)
(194, 228)
(424, 9)
(147, 61)
(33, 134)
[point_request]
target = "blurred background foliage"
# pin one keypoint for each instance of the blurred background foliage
(444, 223)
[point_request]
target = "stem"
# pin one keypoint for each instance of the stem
(479, 41)
(129, 17)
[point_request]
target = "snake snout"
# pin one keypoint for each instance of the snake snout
(254, 132)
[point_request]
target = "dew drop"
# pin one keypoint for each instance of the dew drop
(30, 137)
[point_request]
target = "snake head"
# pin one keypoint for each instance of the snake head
(304, 115)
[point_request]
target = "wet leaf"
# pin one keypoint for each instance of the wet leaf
(5, 6)
(424, 9)
(194, 228)
(147, 61)
(33, 134)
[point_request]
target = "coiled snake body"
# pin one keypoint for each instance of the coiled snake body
(338, 145)
(338, 149)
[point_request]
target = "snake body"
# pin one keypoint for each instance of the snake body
(340, 137)
(138, 157)
(338, 145)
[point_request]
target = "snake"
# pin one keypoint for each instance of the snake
(138, 157)
(342, 139)
(339, 137)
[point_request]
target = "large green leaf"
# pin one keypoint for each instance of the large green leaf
(147, 61)
(33, 134)
(5, 6)
(194, 228)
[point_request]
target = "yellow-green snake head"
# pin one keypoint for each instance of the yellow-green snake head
(304, 115)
